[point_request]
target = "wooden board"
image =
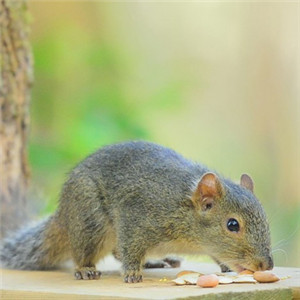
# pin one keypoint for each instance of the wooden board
(61, 285)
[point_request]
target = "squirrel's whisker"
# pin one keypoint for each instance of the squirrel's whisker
(273, 216)
(284, 241)
(282, 251)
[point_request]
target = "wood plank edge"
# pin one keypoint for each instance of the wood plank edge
(276, 294)
(31, 295)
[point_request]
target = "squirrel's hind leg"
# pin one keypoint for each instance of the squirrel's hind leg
(85, 255)
(87, 251)
(90, 233)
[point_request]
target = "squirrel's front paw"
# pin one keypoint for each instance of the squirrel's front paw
(174, 262)
(225, 269)
(133, 277)
(155, 264)
(168, 262)
(87, 273)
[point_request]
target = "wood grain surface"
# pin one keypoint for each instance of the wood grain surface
(61, 285)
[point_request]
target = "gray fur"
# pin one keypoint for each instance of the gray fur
(23, 250)
(130, 199)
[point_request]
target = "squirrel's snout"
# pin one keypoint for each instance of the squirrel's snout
(266, 264)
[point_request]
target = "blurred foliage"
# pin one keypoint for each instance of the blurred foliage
(215, 82)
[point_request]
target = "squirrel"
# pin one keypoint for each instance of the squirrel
(135, 199)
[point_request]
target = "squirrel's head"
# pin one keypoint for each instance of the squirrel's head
(232, 223)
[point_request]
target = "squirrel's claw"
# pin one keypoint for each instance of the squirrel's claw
(87, 274)
(174, 262)
(133, 278)
(225, 269)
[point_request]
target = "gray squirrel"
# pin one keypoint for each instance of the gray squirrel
(136, 199)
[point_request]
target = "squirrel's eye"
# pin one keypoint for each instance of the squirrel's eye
(208, 206)
(233, 225)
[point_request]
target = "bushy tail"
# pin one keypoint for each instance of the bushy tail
(40, 246)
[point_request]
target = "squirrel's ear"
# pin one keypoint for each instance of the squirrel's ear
(209, 186)
(247, 182)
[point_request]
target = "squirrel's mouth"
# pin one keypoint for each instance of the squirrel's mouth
(240, 268)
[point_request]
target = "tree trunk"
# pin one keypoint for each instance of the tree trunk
(15, 82)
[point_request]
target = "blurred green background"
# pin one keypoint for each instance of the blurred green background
(215, 81)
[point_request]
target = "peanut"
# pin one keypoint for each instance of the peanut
(246, 272)
(265, 276)
(208, 280)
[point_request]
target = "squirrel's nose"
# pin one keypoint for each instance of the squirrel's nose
(266, 264)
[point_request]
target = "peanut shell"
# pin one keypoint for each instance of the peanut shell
(185, 272)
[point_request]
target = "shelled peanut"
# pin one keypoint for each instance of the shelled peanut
(208, 281)
(265, 277)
